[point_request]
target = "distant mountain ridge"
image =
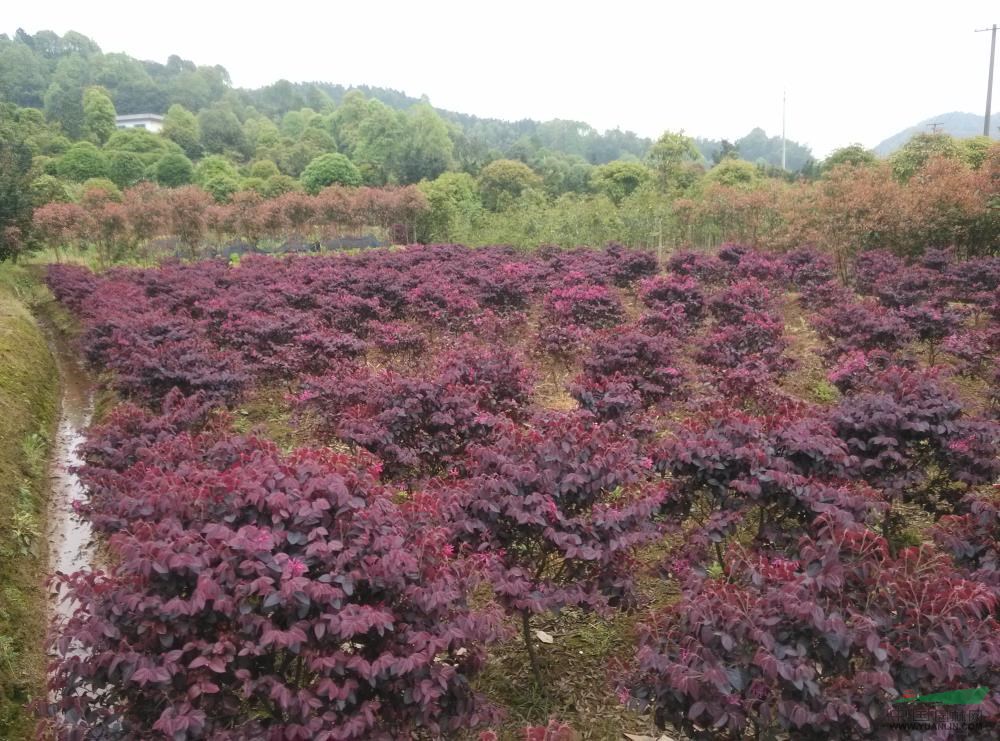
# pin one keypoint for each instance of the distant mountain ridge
(958, 124)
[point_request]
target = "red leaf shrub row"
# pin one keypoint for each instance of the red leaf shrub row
(328, 595)
(257, 595)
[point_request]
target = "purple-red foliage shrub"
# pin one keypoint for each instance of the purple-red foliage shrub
(253, 595)
(817, 296)
(71, 284)
(732, 302)
(763, 266)
(939, 260)
(975, 280)
(556, 510)
(706, 268)
(417, 426)
(397, 336)
(872, 265)
(733, 253)
(442, 303)
(562, 341)
(789, 466)
(862, 325)
(973, 537)
(148, 366)
(662, 292)
(817, 646)
(644, 362)
(931, 325)
(908, 286)
(855, 368)
(758, 337)
(129, 429)
(500, 379)
(584, 304)
(630, 265)
(904, 427)
(974, 349)
(809, 268)
(669, 320)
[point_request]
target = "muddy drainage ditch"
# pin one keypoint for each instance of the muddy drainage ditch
(70, 542)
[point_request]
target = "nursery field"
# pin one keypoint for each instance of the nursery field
(484, 493)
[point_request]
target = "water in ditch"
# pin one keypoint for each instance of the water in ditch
(70, 542)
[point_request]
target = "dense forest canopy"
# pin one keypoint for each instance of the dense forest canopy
(322, 161)
(50, 72)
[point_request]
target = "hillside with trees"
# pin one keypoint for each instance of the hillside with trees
(294, 122)
(312, 164)
(956, 124)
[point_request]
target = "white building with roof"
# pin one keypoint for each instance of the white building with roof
(149, 121)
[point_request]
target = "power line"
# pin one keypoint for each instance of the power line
(989, 84)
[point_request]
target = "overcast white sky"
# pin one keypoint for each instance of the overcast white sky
(853, 71)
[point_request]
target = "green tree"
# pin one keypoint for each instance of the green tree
(221, 187)
(128, 83)
(64, 98)
(726, 150)
(15, 187)
(674, 158)
(975, 150)
(81, 162)
(561, 173)
(425, 149)
(105, 186)
(277, 185)
(23, 75)
(332, 168)
(345, 122)
(174, 170)
(618, 180)
(569, 137)
(294, 123)
(454, 204)
(148, 146)
(735, 173)
(260, 133)
(125, 168)
(913, 155)
(197, 87)
(215, 166)
(221, 131)
(98, 115)
(855, 155)
(181, 127)
(502, 182)
(377, 144)
(46, 189)
(263, 169)
(41, 136)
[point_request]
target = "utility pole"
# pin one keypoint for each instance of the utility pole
(935, 126)
(783, 128)
(989, 85)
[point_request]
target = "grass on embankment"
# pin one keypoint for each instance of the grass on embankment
(28, 407)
